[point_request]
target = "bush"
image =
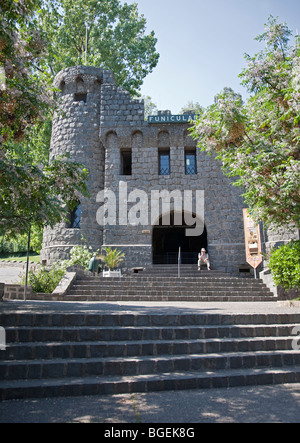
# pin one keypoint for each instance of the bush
(80, 255)
(45, 281)
(285, 265)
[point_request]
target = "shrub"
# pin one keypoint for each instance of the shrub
(113, 258)
(80, 255)
(285, 265)
(45, 280)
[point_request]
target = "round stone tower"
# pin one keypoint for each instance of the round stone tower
(76, 131)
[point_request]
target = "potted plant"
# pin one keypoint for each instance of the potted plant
(112, 259)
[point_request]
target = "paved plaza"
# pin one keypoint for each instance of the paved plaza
(259, 404)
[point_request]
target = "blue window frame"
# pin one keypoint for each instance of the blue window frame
(190, 163)
(164, 163)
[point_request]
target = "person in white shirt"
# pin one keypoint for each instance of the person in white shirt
(203, 258)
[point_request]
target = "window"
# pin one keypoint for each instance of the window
(80, 97)
(164, 162)
(126, 162)
(75, 217)
(190, 163)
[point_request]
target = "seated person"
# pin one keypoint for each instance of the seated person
(203, 258)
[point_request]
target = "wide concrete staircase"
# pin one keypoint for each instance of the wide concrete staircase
(69, 354)
(161, 283)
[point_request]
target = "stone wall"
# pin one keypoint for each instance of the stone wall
(76, 132)
(223, 204)
(98, 121)
(16, 292)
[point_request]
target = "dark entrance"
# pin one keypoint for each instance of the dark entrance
(167, 240)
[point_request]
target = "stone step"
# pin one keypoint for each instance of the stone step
(94, 385)
(171, 279)
(119, 366)
(161, 287)
(185, 285)
(152, 298)
(53, 334)
(169, 292)
(141, 348)
(88, 319)
(184, 269)
(56, 353)
(146, 298)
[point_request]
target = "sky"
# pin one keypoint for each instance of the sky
(202, 45)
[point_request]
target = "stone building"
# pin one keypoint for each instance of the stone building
(133, 164)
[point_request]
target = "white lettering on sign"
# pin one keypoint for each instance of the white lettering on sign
(186, 118)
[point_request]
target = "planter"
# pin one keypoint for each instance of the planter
(112, 274)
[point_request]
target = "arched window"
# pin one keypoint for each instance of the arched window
(75, 217)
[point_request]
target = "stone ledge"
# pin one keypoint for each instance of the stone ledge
(65, 283)
(16, 264)
(289, 304)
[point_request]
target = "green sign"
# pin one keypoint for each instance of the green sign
(186, 118)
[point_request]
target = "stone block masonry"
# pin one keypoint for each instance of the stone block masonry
(96, 123)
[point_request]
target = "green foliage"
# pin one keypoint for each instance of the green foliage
(149, 106)
(258, 142)
(19, 242)
(193, 106)
(36, 240)
(80, 255)
(116, 38)
(284, 263)
(31, 194)
(113, 258)
(32, 190)
(23, 97)
(43, 280)
(13, 245)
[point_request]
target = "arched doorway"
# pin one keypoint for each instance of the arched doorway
(166, 241)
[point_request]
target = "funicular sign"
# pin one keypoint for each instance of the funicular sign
(252, 241)
(168, 118)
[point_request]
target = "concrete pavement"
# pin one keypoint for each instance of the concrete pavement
(258, 404)
(147, 307)
(11, 274)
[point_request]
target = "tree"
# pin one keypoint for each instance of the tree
(116, 38)
(259, 142)
(22, 97)
(195, 107)
(32, 190)
(150, 106)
